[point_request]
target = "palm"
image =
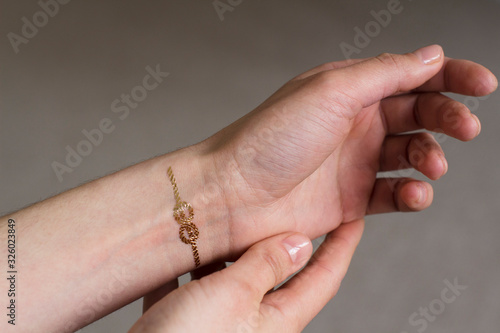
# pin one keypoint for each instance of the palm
(336, 190)
(339, 189)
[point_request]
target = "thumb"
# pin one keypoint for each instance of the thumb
(269, 262)
(367, 82)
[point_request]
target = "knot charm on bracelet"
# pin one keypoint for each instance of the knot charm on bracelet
(184, 214)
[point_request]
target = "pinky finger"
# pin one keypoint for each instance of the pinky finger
(399, 195)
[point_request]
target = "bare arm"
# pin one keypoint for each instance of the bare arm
(305, 160)
(91, 250)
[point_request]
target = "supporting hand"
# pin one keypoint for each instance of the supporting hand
(236, 299)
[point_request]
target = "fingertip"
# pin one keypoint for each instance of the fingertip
(480, 80)
(412, 194)
(434, 166)
(471, 129)
(426, 155)
(440, 167)
(417, 195)
(468, 126)
(430, 55)
(269, 262)
(459, 122)
(445, 165)
(488, 85)
(299, 248)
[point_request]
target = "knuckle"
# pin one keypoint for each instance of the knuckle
(451, 112)
(397, 61)
(334, 279)
(388, 59)
(247, 291)
(393, 60)
(423, 141)
(454, 106)
(334, 102)
(323, 81)
(276, 264)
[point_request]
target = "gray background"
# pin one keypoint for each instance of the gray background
(65, 78)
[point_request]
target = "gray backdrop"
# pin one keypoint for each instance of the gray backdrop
(64, 78)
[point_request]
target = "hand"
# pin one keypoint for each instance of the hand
(235, 299)
(307, 158)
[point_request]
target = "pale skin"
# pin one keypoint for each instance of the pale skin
(304, 161)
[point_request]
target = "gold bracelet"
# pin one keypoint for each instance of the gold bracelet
(184, 214)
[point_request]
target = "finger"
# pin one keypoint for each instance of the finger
(154, 296)
(319, 281)
(462, 77)
(326, 67)
(399, 195)
(420, 151)
(432, 111)
(207, 270)
(268, 263)
(347, 90)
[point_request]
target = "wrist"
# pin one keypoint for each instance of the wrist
(198, 185)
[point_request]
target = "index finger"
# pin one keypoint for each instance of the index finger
(461, 77)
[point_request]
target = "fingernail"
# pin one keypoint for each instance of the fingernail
(421, 194)
(295, 244)
(476, 119)
(445, 164)
(430, 54)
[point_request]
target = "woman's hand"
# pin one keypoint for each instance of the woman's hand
(235, 299)
(307, 158)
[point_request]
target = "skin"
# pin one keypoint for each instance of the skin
(236, 299)
(329, 131)
(346, 137)
(305, 161)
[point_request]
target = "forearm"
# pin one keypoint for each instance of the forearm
(93, 249)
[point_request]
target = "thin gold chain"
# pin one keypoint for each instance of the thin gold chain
(184, 214)
(174, 185)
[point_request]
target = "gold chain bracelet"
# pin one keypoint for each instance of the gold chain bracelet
(184, 214)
